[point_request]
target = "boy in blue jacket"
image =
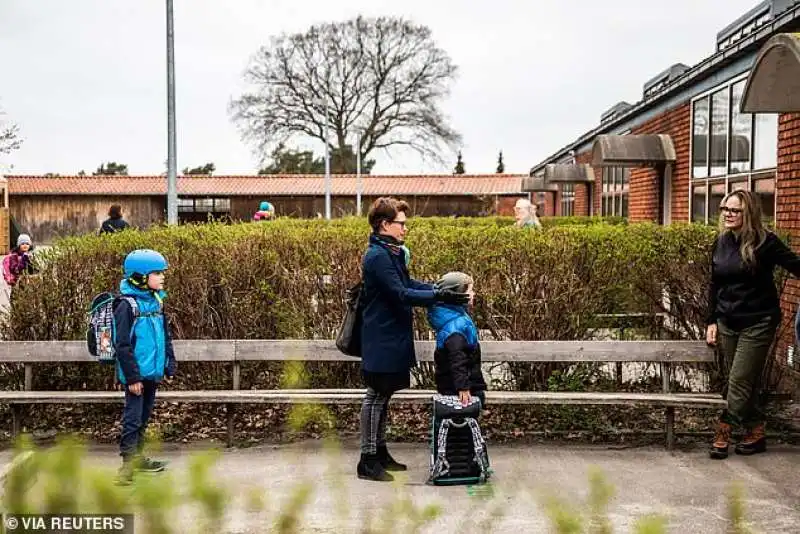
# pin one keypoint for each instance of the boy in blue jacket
(458, 351)
(144, 354)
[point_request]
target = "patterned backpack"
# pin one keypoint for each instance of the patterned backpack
(458, 450)
(101, 330)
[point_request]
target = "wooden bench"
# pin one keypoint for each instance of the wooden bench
(664, 353)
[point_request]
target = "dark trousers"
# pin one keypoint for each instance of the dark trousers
(135, 417)
(745, 355)
(374, 411)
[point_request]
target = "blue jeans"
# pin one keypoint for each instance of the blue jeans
(135, 417)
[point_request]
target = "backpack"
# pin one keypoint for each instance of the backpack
(458, 449)
(101, 330)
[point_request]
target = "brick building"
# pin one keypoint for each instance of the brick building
(697, 133)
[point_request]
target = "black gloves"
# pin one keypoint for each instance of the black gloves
(449, 296)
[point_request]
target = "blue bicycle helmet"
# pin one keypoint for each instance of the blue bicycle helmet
(141, 263)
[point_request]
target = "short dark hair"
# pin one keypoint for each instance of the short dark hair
(385, 209)
(115, 211)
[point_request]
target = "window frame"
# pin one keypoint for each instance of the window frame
(190, 205)
(728, 177)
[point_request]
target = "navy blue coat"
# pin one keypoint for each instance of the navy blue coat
(387, 331)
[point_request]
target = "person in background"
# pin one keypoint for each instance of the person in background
(115, 222)
(525, 213)
(387, 329)
(19, 260)
(744, 314)
(266, 212)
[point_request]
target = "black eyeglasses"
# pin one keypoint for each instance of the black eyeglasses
(401, 223)
(735, 211)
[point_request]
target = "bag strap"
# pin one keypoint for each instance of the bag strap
(479, 445)
(441, 466)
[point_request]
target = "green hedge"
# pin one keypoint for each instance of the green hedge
(265, 280)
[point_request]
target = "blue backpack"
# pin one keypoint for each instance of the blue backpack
(101, 330)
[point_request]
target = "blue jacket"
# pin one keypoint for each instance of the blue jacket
(144, 348)
(458, 350)
(389, 295)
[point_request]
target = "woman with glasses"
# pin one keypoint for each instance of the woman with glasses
(744, 314)
(387, 332)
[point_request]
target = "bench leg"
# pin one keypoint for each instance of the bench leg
(229, 408)
(16, 420)
(670, 428)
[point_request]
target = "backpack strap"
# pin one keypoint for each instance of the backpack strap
(133, 303)
(479, 447)
(441, 466)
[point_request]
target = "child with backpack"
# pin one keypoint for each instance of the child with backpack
(19, 260)
(458, 351)
(143, 352)
(458, 450)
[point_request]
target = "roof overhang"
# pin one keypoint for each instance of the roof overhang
(537, 184)
(610, 150)
(568, 173)
(773, 85)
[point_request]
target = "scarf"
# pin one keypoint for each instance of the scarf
(394, 246)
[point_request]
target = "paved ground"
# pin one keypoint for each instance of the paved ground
(687, 487)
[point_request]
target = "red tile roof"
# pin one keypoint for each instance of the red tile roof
(274, 185)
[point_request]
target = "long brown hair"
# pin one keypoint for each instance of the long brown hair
(752, 232)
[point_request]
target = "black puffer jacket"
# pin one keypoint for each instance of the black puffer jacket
(458, 352)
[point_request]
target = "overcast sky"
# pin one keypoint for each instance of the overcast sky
(86, 79)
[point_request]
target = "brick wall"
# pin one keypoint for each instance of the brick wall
(644, 191)
(582, 191)
(788, 219)
(643, 200)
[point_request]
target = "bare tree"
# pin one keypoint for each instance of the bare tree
(9, 136)
(383, 77)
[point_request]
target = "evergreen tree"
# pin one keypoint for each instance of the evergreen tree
(501, 167)
(459, 165)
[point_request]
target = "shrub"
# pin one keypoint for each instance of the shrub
(286, 279)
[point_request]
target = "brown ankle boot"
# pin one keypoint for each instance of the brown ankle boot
(754, 441)
(722, 438)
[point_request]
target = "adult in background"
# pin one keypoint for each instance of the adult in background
(387, 337)
(524, 212)
(115, 222)
(744, 314)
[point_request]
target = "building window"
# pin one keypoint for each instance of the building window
(731, 150)
(204, 205)
(614, 194)
(568, 200)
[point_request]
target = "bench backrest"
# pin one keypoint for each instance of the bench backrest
(231, 350)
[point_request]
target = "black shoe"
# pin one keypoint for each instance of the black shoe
(370, 468)
(389, 463)
(150, 466)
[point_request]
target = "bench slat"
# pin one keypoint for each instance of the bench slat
(325, 350)
(354, 396)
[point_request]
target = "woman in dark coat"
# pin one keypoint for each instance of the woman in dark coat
(387, 337)
(115, 222)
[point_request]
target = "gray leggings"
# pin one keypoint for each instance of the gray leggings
(373, 421)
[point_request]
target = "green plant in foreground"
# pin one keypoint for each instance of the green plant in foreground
(58, 480)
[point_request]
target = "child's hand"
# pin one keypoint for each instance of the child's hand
(135, 388)
(464, 397)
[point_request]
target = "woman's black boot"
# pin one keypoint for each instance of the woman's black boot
(370, 468)
(386, 460)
